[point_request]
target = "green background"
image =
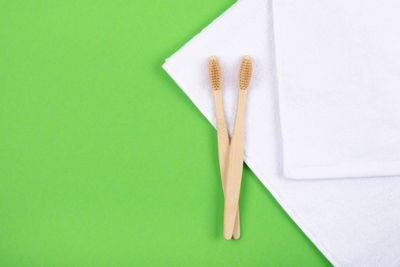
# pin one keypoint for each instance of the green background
(103, 160)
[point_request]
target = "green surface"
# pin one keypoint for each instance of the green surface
(103, 160)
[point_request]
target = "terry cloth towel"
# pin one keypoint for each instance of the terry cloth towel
(338, 66)
(354, 222)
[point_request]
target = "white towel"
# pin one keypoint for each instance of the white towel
(338, 68)
(354, 222)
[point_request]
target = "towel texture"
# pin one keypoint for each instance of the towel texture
(338, 65)
(354, 222)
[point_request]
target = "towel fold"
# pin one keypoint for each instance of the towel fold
(338, 66)
(354, 222)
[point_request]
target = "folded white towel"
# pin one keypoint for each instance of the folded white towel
(354, 222)
(338, 66)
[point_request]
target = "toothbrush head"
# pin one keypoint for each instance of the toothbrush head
(214, 72)
(245, 71)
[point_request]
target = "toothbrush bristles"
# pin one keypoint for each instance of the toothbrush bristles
(245, 72)
(214, 71)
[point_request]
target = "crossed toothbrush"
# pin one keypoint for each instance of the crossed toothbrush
(230, 155)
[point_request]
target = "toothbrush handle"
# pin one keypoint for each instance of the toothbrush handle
(235, 167)
(223, 149)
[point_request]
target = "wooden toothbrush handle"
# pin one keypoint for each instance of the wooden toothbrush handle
(235, 167)
(223, 149)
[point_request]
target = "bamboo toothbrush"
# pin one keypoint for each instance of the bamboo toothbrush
(235, 158)
(215, 76)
